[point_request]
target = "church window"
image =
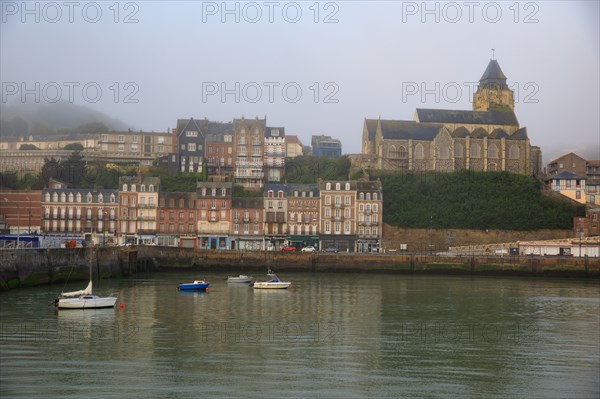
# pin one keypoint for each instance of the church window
(443, 152)
(475, 150)
(458, 150)
(392, 152)
(514, 152)
(492, 151)
(419, 151)
(402, 153)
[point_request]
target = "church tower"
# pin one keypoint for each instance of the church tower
(493, 93)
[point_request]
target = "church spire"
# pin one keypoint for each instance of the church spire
(493, 75)
(493, 93)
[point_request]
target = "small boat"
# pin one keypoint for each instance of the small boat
(274, 283)
(83, 299)
(239, 279)
(198, 285)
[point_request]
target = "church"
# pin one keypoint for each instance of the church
(488, 138)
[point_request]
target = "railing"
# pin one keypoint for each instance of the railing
(150, 206)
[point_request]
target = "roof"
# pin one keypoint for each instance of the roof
(374, 185)
(479, 133)
(520, 134)
(274, 132)
(507, 117)
(498, 134)
(460, 132)
(405, 130)
(247, 203)
(570, 154)
(292, 139)
(307, 188)
(371, 125)
(493, 75)
(565, 174)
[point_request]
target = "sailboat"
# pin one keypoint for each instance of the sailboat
(84, 299)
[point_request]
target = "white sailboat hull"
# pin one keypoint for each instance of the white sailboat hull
(272, 285)
(86, 302)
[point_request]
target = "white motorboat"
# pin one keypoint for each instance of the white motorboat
(274, 283)
(84, 299)
(239, 279)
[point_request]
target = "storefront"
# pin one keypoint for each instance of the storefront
(303, 241)
(248, 243)
(342, 243)
(274, 243)
(363, 245)
(214, 242)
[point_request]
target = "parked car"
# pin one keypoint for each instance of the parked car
(331, 249)
(288, 248)
(308, 249)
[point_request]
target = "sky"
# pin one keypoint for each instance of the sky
(310, 67)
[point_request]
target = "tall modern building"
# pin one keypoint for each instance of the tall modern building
(325, 146)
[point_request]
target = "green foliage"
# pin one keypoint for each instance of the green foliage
(238, 191)
(473, 200)
(25, 147)
(308, 169)
(180, 183)
(73, 147)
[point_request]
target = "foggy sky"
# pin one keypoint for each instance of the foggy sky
(156, 62)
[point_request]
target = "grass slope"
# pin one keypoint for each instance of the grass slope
(473, 200)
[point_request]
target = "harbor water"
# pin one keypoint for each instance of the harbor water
(328, 336)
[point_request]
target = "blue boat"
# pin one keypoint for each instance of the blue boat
(197, 285)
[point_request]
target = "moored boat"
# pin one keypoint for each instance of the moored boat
(274, 283)
(84, 299)
(197, 285)
(239, 279)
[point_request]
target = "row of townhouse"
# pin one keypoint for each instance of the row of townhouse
(346, 215)
(245, 151)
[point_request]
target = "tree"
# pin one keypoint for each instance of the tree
(73, 147)
(26, 147)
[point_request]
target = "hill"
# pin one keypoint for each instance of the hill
(473, 200)
(47, 119)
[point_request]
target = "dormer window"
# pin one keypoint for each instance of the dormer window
(100, 198)
(347, 186)
(124, 187)
(151, 188)
(337, 186)
(55, 197)
(133, 188)
(89, 197)
(328, 186)
(78, 197)
(223, 192)
(143, 188)
(47, 197)
(112, 198)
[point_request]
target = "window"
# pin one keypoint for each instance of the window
(327, 200)
(458, 150)
(151, 188)
(133, 188)
(492, 151)
(121, 139)
(514, 152)
(191, 133)
(475, 151)
(191, 146)
(419, 151)
(347, 186)
(104, 137)
(337, 186)
(143, 188)
(577, 194)
(124, 187)
(328, 186)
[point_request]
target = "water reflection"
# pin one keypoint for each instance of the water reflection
(330, 336)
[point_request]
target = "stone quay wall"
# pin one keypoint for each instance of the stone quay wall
(29, 267)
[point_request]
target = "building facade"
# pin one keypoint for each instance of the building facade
(274, 154)
(338, 214)
(248, 147)
(213, 201)
(138, 203)
(303, 215)
(488, 138)
(369, 206)
(177, 219)
(85, 212)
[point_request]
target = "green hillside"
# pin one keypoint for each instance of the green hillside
(473, 200)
